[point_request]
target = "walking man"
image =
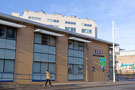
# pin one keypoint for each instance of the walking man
(48, 77)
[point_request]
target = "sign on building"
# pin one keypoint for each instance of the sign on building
(102, 61)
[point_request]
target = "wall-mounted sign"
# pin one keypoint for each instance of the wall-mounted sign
(102, 61)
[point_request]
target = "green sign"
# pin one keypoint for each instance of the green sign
(102, 61)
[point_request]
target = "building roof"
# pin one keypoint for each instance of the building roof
(18, 19)
(127, 53)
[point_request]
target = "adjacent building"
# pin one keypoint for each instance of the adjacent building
(125, 64)
(69, 23)
(28, 48)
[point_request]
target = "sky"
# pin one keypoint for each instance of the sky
(102, 11)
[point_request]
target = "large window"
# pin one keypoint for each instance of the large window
(53, 20)
(75, 60)
(44, 56)
(87, 25)
(69, 22)
(34, 18)
(88, 31)
(7, 52)
(70, 29)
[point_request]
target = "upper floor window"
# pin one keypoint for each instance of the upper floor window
(68, 22)
(34, 18)
(89, 31)
(70, 29)
(7, 32)
(88, 25)
(45, 39)
(75, 45)
(53, 20)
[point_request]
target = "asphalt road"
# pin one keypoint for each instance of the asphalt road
(120, 87)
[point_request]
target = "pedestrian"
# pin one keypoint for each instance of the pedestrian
(48, 77)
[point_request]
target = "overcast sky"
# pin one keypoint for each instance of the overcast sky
(102, 11)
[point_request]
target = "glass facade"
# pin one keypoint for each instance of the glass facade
(44, 56)
(7, 52)
(75, 60)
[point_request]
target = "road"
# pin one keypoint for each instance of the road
(120, 87)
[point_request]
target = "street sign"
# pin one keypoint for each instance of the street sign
(102, 61)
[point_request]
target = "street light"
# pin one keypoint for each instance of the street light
(113, 51)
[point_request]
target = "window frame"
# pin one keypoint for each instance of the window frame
(75, 64)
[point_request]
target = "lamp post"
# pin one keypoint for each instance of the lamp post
(113, 51)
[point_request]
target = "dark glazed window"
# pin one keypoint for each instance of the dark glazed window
(52, 41)
(45, 39)
(11, 33)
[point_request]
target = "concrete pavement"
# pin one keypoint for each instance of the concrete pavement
(68, 86)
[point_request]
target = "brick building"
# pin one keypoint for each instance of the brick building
(28, 48)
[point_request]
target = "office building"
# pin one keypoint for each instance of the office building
(28, 48)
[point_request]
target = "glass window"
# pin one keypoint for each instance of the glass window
(75, 69)
(52, 76)
(70, 29)
(37, 48)
(45, 49)
(2, 53)
(51, 68)
(80, 54)
(11, 33)
(70, 60)
(80, 60)
(52, 50)
(37, 57)
(1, 65)
(75, 61)
(2, 31)
(36, 67)
(11, 44)
(52, 41)
(2, 43)
(80, 46)
(70, 44)
(7, 76)
(75, 53)
(9, 66)
(45, 39)
(45, 54)
(38, 38)
(70, 52)
(44, 67)
(89, 31)
(10, 54)
(76, 46)
(80, 69)
(36, 76)
(45, 57)
(70, 69)
(52, 58)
